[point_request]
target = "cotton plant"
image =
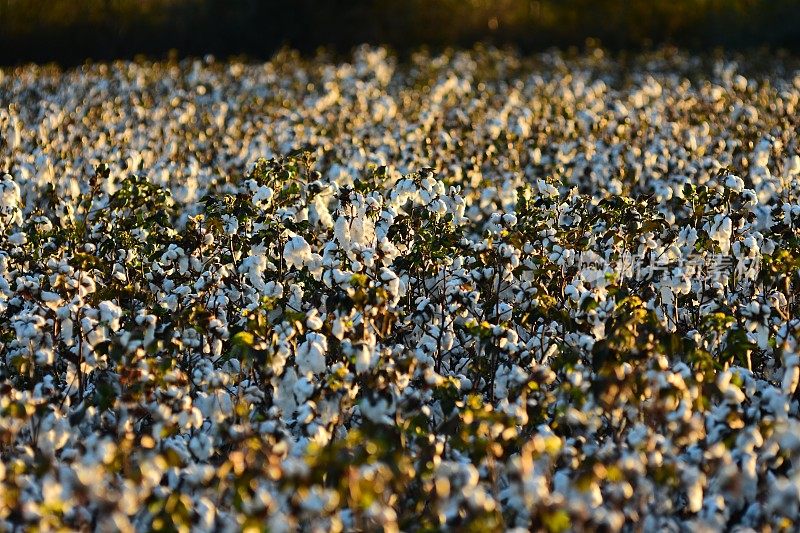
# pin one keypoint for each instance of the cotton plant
(476, 290)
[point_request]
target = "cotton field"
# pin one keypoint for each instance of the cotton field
(467, 291)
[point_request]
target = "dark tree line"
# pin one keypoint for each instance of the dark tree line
(71, 31)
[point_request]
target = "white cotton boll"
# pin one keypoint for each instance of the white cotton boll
(315, 266)
(206, 512)
(86, 286)
(224, 404)
(118, 272)
(438, 207)
(303, 389)
(364, 359)
(735, 183)
(51, 300)
(545, 189)
(255, 265)
(572, 292)
(791, 375)
(341, 231)
(318, 212)
(230, 224)
(66, 331)
(338, 328)
(753, 308)
(392, 284)
(377, 411)
(342, 278)
(18, 239)
(313, 320)
(310, 354)
(762, 337)
(296, 252)
(216, 347)
(284, 394)
(10, 200)
(44, 356)
(201, 446)
(504, 311)
(792, 165)
(721, 232)
(110, 313)
(295, 296)
(787, 214)
(362, 230)
(97, 336)
(263, 197)
(694, 489)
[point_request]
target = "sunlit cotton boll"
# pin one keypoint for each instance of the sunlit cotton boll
(296, 252)
(310, 354)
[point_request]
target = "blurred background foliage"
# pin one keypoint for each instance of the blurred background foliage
(70, 31)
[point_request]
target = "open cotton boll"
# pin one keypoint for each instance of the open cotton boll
(296, 252)
(378, 410)
(792, 165)
(51, 299)
(19, 238)
(110, 314)
(313, 320)
(721, 232)
(310, 354)
(10, 200)
(263, 197)
(364, 359)
(341, 231)
(735, 183)
(230, 224)
(255, 265)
